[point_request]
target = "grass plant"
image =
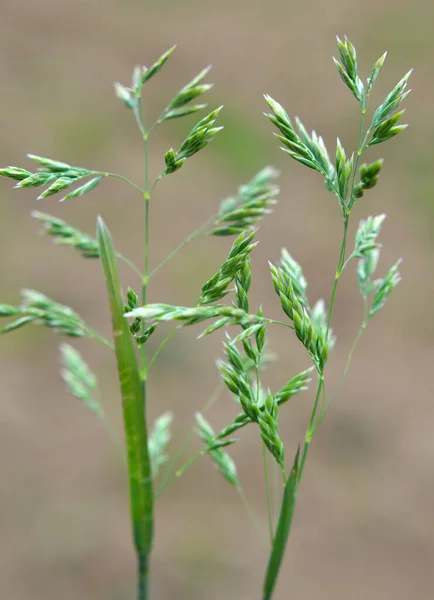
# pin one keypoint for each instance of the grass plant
(223, 301)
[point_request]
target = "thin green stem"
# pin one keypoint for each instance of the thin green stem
(138, 189)
(99, 338)
(166, 479)
(322, 410)
(121, 178)
(360, 147)
(146, 261)
(348, 362)
(190, 462)
(130, 263)
(310, 430)
(140, 119)
(347, 261)
(158, 121)
(353, 347)
(168, 337)
(280, 323)
(338, 274)
(251, 515)
(139, 116)
(315, 405)
(142, 577)
(180, 471)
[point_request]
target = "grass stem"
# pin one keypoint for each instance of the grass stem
(142, 577)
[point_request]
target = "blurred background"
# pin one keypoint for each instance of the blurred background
(364, 525)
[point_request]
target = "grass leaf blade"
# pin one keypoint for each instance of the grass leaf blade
(133, 402)
(282, 531)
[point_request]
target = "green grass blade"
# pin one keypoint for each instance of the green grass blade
(282, 531)
(133, 402)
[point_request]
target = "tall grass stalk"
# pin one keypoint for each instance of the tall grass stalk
(221, 303)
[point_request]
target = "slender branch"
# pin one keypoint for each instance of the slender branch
(310, 429)
(347, 364)
(168, 337)
(339, 270)
(195, 234)
(121, 178)
(130, 263)
(280, 323)
(252, 517)
(143, 577)
(99, 338)
(167, 479)
(360, 148)
(190, 462)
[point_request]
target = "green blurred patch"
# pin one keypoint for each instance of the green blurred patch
(84, 131)
(241, 144)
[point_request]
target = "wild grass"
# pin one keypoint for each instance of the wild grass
(223, 301)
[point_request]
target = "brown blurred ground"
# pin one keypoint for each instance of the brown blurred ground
(365, 521)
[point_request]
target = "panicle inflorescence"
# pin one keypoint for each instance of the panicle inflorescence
(141, 74)
(268, 421)
(348, 69)
(344, 175)
(368, 177)
(384, 126)
(264, 414)
(242, 286)
(344, 171)
(384, 287)
(366, 236)
(199, 137)
(297, 384)
(180, 105)
(237, 380)
(230, 315)
(133, 303)
(41, 310)
(80, 380)
(309, 150)
(318, 316)
(294, 271)
(253, 201)
(56, 175)
(67, 235)
(367, 250)
(216, 287)
(222, 460)
(141, 335)
(314, 341)
(158, 441)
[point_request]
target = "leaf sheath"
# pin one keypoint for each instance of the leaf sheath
(133, 403)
